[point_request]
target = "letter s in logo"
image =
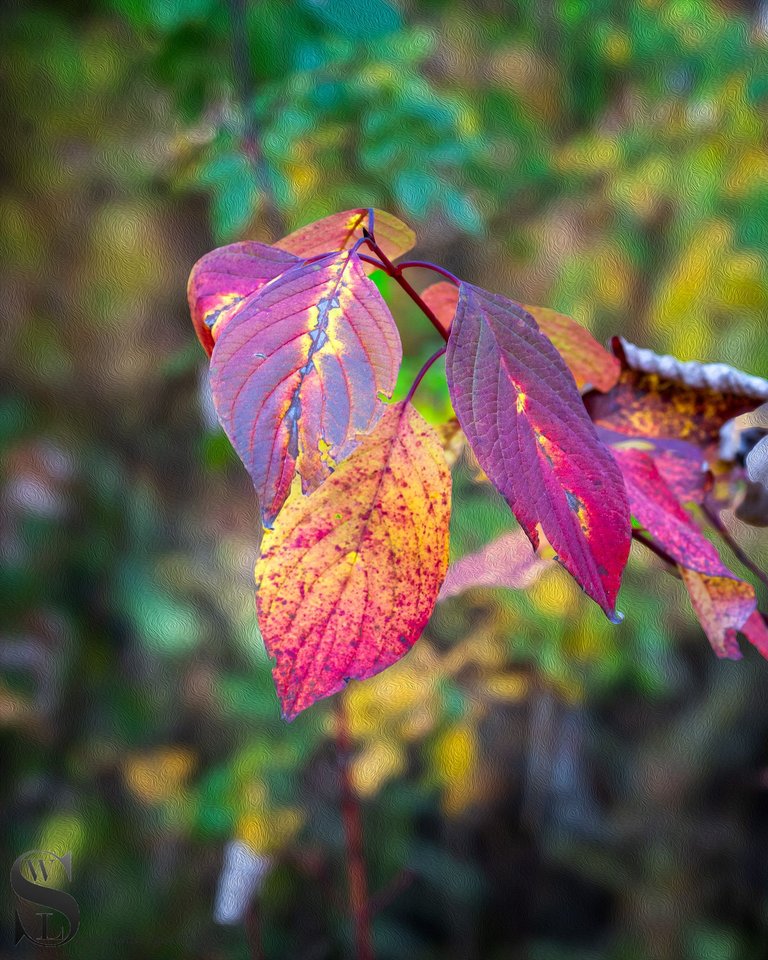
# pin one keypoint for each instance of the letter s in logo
(33, 896)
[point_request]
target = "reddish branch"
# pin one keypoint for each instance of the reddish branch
(359, 900)
(396, 273)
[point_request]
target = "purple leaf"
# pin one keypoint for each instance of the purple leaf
(521, 411)
(296, 372)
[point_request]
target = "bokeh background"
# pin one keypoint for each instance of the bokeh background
(536, 783)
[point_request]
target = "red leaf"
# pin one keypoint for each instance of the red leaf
(656, 507)
(349, 575)
(519, 407)
(723, 605)
(683, 469)
(222, 280)
(442, 298)
(592, 366)
(340, 231)
(296, 372)
(510, 561)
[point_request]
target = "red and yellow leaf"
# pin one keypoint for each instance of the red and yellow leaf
(348, 577)
(295, 374)
(519, 407)
(648, 405)
(340, 231)
(723, 606)
(509, 561)
(222, 280)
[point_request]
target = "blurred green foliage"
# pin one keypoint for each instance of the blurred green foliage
(558, 787)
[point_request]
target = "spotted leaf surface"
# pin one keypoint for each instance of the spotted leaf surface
(340, 231)
(296, 372)
(222, 280)
(649, 405)
(348, 576)
(522, 414)
(723, 606)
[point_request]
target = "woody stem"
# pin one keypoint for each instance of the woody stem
(359, 899)
(714, 519)
(396, 273)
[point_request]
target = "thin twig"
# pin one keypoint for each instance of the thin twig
(720, 527)
(654, 548)
(359, 901)
(398, 277)
(426, 265)
(246, 89)
(420, 375)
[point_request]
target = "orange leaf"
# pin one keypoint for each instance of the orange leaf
(349, 575)
(723, 607)
(590, 363)
(340, 231)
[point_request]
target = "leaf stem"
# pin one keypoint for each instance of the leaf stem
(426, 265)
(420, 375)
(397, 276)
(720, 527)
(359, 900)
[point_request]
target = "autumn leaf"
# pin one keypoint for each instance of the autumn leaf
(592, 365)
(522, 414)
(296, 372)
(340, 231)
(656, 507)
(509, 561)
(756, 631)
(348, 576)
(442, 298)
(659, 396)
(723, 606)
(222, 280)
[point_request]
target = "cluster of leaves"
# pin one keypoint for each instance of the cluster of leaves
(303, 351)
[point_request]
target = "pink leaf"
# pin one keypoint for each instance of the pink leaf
(222, 280)
(510, 561)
